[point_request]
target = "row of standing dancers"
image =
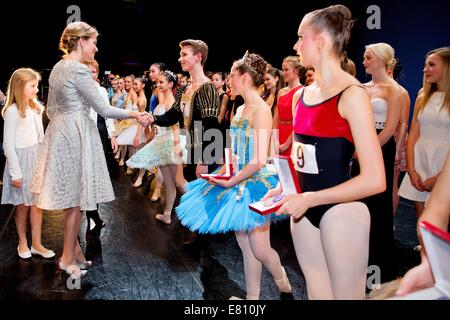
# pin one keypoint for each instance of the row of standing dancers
(332, 120)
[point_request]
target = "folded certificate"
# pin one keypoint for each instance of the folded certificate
(289, 185)
(437, 245)
(228, 168)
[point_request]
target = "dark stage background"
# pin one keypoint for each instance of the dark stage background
(135, 33)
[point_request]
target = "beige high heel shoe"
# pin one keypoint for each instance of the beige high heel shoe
(283, 283)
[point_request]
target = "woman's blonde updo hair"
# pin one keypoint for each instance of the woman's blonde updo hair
(384, 52)
(74, 32)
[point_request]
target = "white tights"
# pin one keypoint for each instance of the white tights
(169, 173)
(257, 251)
(334, 258)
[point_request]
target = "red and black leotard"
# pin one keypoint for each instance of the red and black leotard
(322, 126)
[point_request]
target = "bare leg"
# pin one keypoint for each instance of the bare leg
(138, 181)
(20, 217)
(79, 255)
(344, 231)
(117, 155)
(131, 151)
(72, 220)
(36, 228)
(158, 184)
(123, 152)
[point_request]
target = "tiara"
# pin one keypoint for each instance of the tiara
(173, 75)
(246, 60)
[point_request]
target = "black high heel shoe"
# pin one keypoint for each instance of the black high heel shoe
(96, 218)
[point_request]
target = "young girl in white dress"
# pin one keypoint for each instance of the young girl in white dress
(23, 131)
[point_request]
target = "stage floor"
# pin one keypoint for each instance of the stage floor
(136, 257)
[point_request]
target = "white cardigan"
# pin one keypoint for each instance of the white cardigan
(19, 133)
(110, 127)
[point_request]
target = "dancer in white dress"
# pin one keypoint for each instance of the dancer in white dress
(428, 140)
(164, 151)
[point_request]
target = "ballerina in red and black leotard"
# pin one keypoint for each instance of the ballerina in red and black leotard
(332, 118)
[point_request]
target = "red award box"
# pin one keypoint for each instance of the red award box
(289, 185)
(228, 168)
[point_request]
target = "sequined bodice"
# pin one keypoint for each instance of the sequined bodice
(242, 137)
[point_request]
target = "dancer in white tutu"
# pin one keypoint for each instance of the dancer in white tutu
(164, 151)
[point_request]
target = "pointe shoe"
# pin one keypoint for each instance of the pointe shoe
(121, 163)
(138, 183)
(164, 218)
(283, 283)
(46, 255)
(156, 195)
(73, 271)
(129, 171)
(24, 255)
(117, 156)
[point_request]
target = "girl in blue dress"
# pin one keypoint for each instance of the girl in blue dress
(218, 206)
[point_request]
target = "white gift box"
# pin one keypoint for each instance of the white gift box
(289, 185)
(228, 168)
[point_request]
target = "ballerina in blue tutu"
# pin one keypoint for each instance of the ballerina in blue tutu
(219, 206)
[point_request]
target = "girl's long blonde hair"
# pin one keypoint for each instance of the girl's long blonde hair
(429, 88)
(14, 93)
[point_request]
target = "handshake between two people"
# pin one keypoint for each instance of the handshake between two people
(144, 118)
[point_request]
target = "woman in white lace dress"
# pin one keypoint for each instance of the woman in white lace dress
(71, 173)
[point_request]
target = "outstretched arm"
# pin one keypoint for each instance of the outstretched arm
(173, 115)
(88, 90)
